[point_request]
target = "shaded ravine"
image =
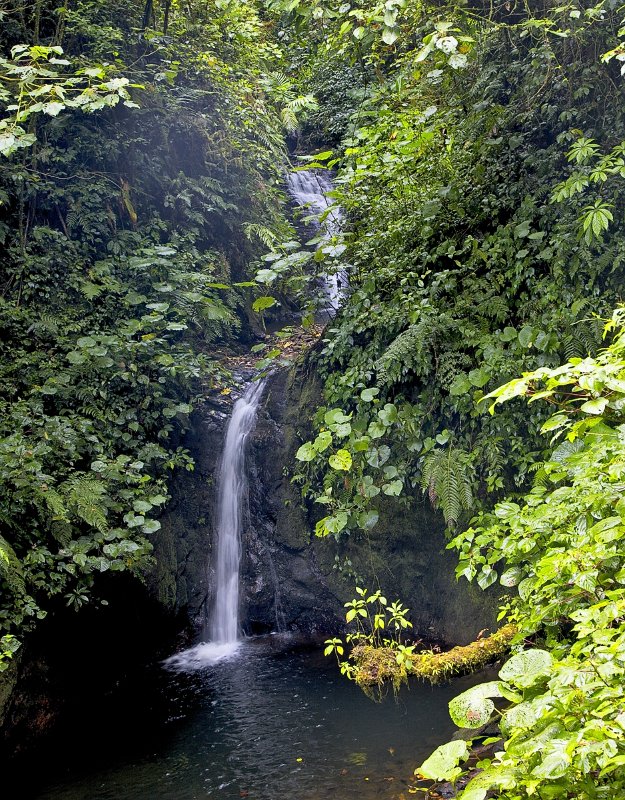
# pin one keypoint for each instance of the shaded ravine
(271, 719)
(259, 716)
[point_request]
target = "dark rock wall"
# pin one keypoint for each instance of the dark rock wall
(309, 579)
(284, 584)
(290, 579)
(183, 546)
(282, 587)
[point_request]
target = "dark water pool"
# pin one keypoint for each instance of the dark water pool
(275, 721)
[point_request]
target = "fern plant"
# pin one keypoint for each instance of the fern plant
(292, 106)
(262, 232)
(409, 352)
(446, 478)
(85, 497)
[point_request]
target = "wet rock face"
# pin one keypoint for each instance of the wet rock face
(306, 581)
(289, 579)
(294, 593)
(183, 546)
(282, 587)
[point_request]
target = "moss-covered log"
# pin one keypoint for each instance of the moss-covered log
(378, 666)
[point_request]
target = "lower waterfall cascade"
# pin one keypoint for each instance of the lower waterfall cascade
(223, 625)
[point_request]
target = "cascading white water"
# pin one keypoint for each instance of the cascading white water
(224, 625)
(223, 629)
(309, 189)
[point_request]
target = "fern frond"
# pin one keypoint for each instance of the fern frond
(280, 80)
(494, 308)
(445, 476)
(85, 499)
(55, 503)
(266, 236)
(289, 119)
(571, 347)
(541, 477)
(302, 102)
(411, 351)
(588, 333)
(45, 323)
(11, 568)
(62, 532)
(269, 139)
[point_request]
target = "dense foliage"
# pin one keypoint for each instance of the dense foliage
(479, 164)
(142, 154)
(482, 175)
(470, 259)
(561, 547)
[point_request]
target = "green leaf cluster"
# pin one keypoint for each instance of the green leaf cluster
(462, 272)
(561, 548)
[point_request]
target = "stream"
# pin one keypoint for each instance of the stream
(277, 720)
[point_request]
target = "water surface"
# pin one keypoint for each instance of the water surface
(274, 721)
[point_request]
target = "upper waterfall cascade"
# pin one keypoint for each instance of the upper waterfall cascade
(310, 189)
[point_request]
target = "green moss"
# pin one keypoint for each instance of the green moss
(163, 578)
(376, 667)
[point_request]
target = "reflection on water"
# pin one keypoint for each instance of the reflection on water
(273, 722)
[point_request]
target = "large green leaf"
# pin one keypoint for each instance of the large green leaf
(306, 452)
(521, 716)
(474, 708)
(341, 460)
(556, 759)
(442, 765)
(526, 668)
(261, 303)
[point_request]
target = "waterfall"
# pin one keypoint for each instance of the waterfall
(223, 628)
(224, 624)
(309, 189)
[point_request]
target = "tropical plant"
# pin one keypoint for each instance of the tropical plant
(561, 550)
(376, 623)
